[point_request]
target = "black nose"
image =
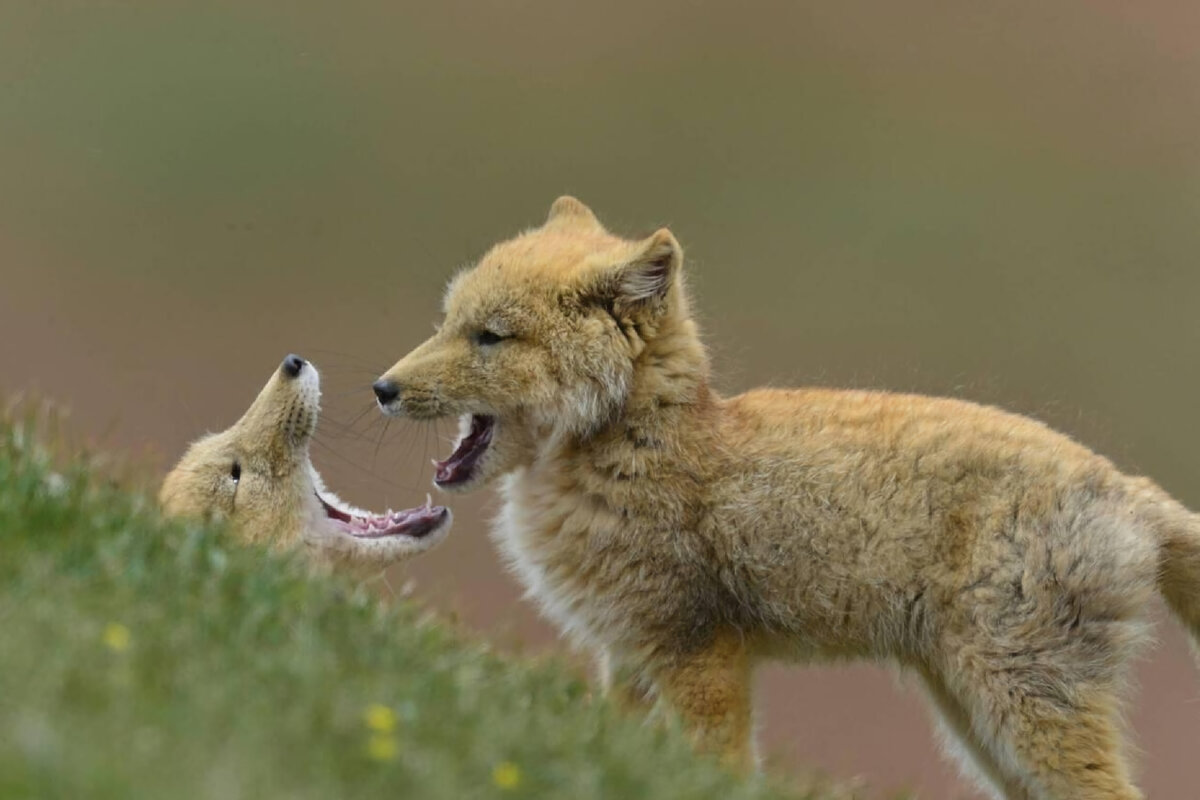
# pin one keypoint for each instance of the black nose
(292, 365)
(386, 391)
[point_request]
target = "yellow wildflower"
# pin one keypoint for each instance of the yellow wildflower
(382, 747)
(506, 775)
(116, 637)
(380, 718)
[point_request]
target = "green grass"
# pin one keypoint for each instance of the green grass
(143, 658)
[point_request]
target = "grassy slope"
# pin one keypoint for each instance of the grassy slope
(145, 659)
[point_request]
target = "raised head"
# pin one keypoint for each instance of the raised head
(555, 331)
(258, 476)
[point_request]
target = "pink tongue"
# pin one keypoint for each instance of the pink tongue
(413, 521)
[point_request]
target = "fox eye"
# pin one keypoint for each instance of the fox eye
(235, 471)
(486, 337)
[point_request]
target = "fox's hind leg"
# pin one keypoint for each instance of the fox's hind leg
(1058, 737)
(963, 743)
(1066, 756)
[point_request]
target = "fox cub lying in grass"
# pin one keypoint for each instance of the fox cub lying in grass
(688, 535)
(257, 474)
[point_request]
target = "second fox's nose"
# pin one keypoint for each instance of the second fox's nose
(386, 391)
(292, 365)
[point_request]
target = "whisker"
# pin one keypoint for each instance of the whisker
(379, 442)
(401, 431)
(449, 440)
(372, 423)
(425, 450)
(359, 467)
(347, 430)
(341, 433)
(360, 390)
(409, 441)
(353, 424)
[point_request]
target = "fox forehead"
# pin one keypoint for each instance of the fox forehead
(209, 448)
(536, 264)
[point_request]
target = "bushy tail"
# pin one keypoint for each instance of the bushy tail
(1180, 578)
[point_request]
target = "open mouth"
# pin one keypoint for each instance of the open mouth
(459, 468)
(415, 523)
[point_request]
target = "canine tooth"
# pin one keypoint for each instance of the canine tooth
(428, 501)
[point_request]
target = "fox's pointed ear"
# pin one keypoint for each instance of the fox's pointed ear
(644, 280)
(566, 210)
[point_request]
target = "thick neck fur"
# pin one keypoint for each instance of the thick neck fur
(595, 508)
(669, 404)
(662, 440)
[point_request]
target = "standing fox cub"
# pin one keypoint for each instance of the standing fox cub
(258, 476)
(687, 536)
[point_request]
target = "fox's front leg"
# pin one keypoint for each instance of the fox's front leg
(710, 689)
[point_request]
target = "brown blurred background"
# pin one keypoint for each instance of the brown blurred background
(992, 201)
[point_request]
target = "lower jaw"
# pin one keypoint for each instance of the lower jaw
(398, 543)
(408, 525)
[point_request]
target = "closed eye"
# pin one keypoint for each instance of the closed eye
(486, 337)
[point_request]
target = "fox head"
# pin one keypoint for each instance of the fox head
(258, 477)
(553, 332)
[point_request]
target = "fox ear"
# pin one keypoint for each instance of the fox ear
(566, 210)
(645, 279)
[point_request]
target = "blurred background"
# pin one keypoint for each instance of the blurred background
(993, 201)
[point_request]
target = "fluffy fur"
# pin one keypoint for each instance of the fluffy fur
(688, 536)
(258, 476)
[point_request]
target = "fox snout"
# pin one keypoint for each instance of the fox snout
(423, 384)
(407, 400)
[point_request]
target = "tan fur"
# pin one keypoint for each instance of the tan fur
(689, 536)
(276, 497)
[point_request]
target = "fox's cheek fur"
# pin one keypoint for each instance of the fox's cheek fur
(593, 381)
